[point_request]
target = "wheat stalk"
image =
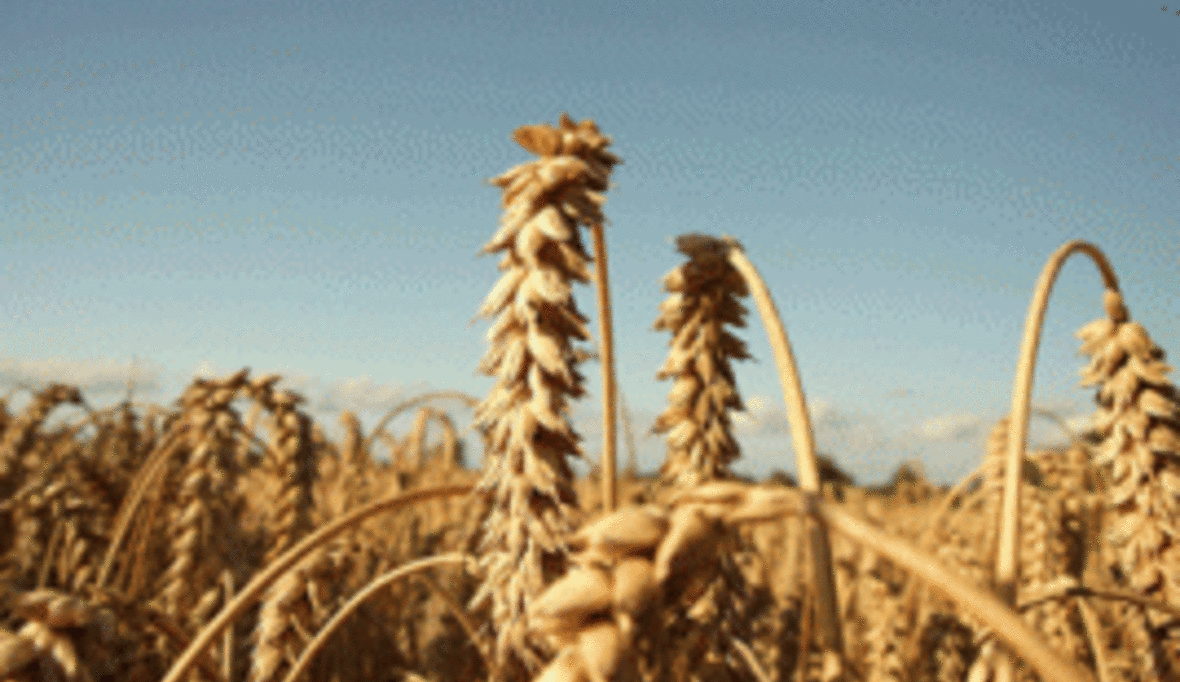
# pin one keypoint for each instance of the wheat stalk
(828, 617)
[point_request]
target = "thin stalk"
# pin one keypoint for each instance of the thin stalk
(468, 400)
(1094, 633)
(607, 352)
(138, 488)
(1007, 560)
(320, 640)
(276, 568)
(828, 615)
(1007, 555)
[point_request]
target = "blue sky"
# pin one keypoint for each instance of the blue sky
(189, 188)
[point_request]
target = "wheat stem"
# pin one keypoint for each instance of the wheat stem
(1007, 560)
(607, 353)
(828, 616)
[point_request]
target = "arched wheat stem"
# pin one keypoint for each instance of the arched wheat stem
(275, 569)
(827, 611)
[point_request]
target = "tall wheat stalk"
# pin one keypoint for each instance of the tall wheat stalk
(526, 471)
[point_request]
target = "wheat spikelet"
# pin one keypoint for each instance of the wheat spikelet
(20, 433)
(628, 563)
(883, 622)
(292, 609)
(526, 470)
(57, 628)
(1045, 560)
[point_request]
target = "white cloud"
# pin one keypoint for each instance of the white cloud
(362, 394)
(766, 416)
(951, 427)
(93, 377)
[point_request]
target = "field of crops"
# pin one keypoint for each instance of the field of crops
(224, 537)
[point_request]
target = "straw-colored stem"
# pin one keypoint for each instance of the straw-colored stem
(827, 616)
(1007, 559)
(1094, 632)
(607, 356)
(325, 633)
(276, 568)
(1007, 554)
(227, 640)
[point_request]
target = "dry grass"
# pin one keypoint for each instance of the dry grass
(177, 543)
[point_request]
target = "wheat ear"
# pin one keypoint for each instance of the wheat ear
(207, 479)
(1137, 417)
(532, 356)
(703, 297)
(827, 615)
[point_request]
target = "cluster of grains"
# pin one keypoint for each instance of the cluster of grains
(703, 298)
(293, 609)
(18, 462)
(631, 565)
(882, 621)
(1138, 419)
(526, 471)
(57, 628)
(968, 542)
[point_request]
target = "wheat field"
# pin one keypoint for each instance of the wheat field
(225, 538)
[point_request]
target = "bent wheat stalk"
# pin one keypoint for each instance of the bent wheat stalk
(275, 570)
(1007, 560)
(828, 616)
(1007, 576)
(467, 399)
